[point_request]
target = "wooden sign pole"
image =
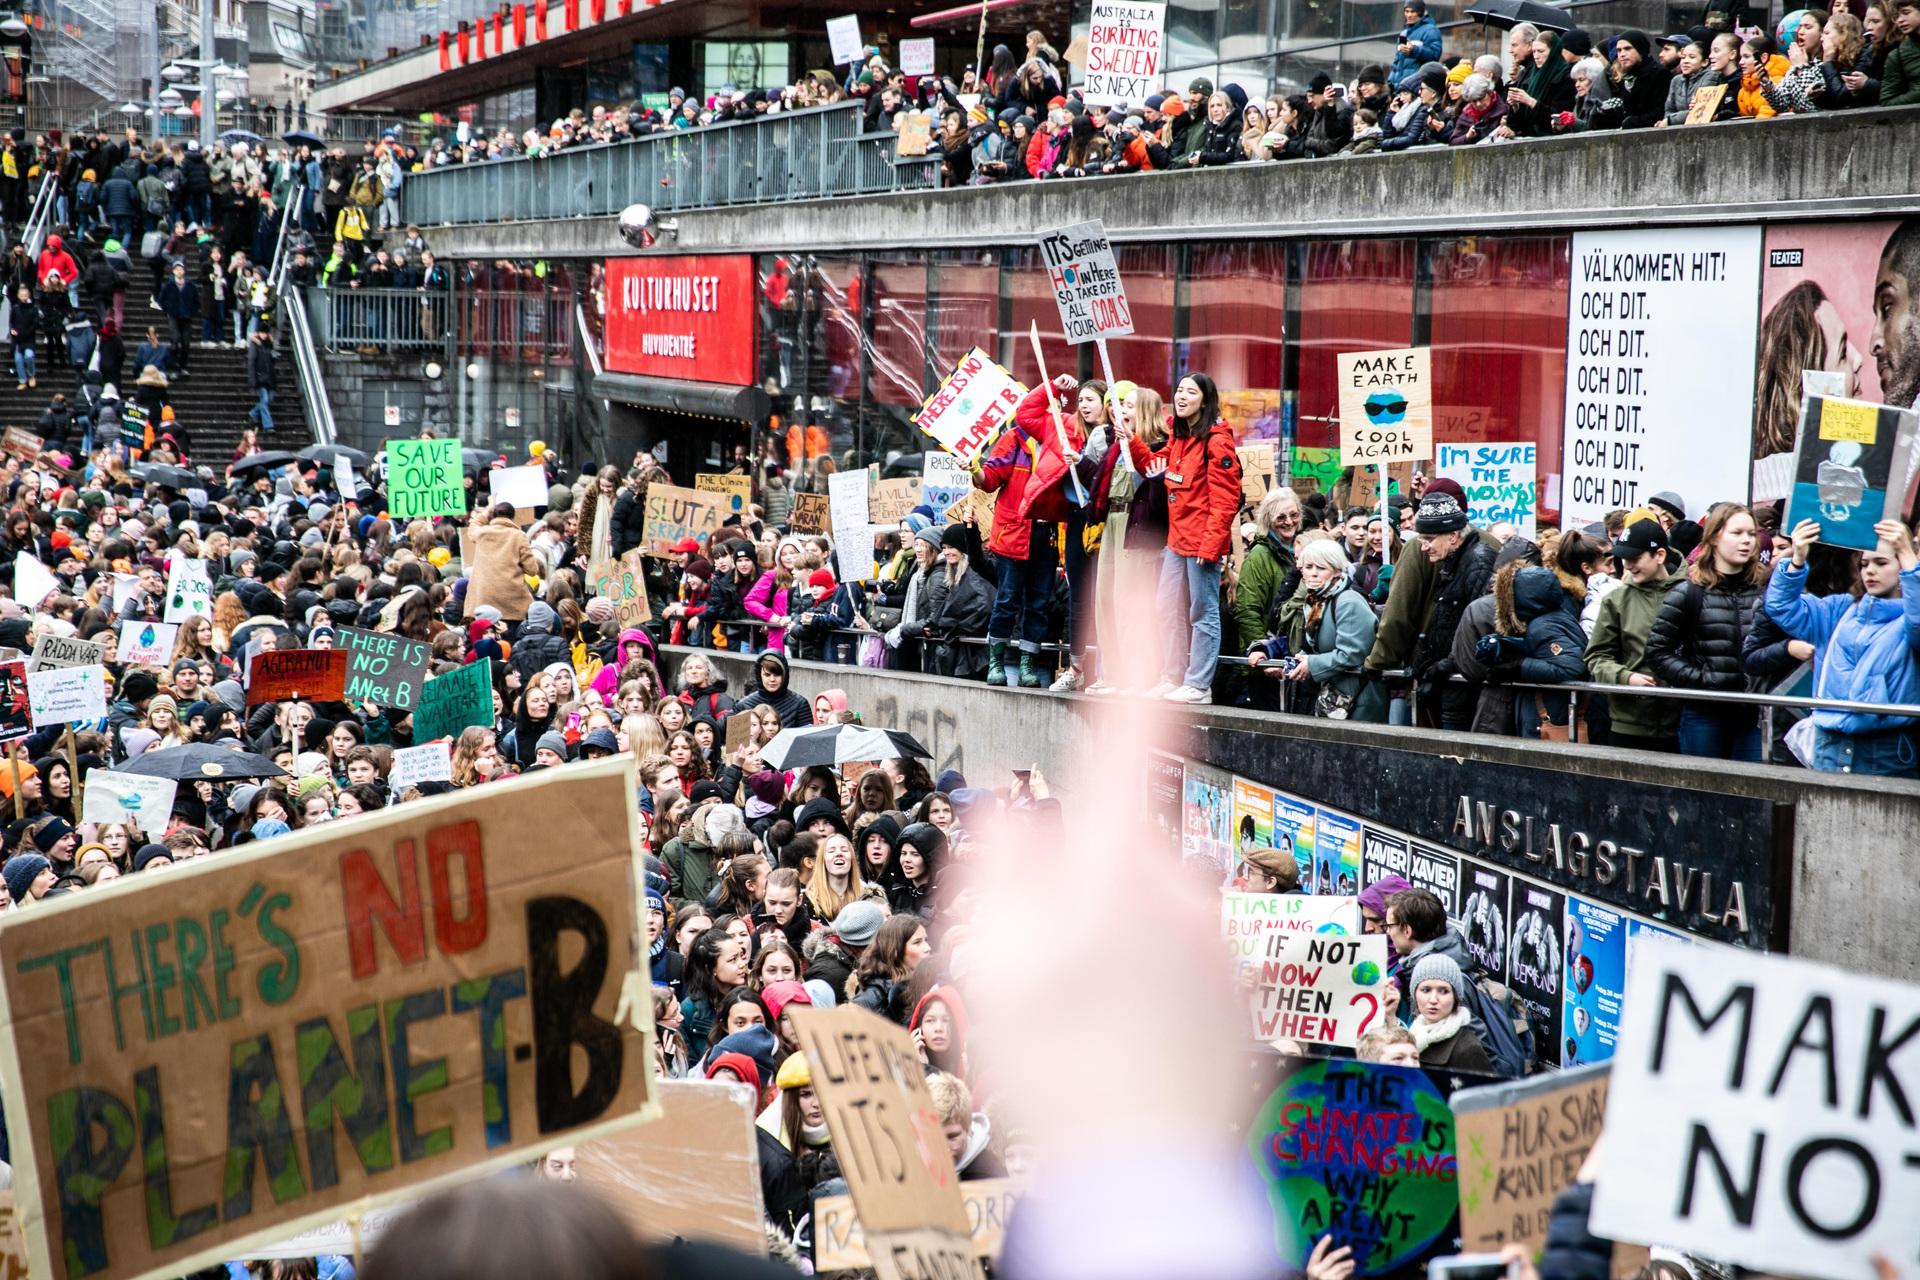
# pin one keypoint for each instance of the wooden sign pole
(73, 770)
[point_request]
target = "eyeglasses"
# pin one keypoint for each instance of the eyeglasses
(1377, 408)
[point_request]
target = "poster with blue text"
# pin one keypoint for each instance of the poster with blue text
(1596, 980)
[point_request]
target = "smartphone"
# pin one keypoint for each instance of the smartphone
(1470, 1266)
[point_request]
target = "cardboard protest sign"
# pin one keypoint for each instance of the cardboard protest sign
(1520, 1145)
(944, 479)
(913, 133)
(22, 444)
(1247, 918)
(189, 590)
(674, 513)
(625, 583)
(428, 762)
(144, 801)
(65, 651)
(916, 57)
(811, 513)
(455, 700)
(1086, 283)
(839, 1242)
(874, 1090)
(971, 404)
(424, 995)
(13, 1244)
(1257, 471)
(382, 668)
(424, 479)
(16, 707)
(336, 1238)
(1319, 988)
(519, 486)
(314, 675)
(1359, 1151)
(1499, 480)
(67, 695)
(1386, 406)
(146, 644)
(1705, 103)
(33, 582)
(694, 1173)
(843, 39)
(1757, 1113)
(738, 490)
(1851, 469)
(1125, 51)
(1363, 484)
(889, 501)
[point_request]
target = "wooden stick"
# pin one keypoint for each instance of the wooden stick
(73, 770)
(1059, 427)
(19, 801)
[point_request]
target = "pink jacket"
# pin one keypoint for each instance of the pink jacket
(633, 642)
(764, 603)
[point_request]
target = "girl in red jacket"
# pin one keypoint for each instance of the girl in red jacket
(1027, 469)
(1203, 497)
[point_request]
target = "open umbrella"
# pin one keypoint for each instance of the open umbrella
(172, 477)
(478, 459)
(202, 762)
(834, 744)
(265, 458)
(302, 138)
(247, 136)
(324, 454)
(1508, 14)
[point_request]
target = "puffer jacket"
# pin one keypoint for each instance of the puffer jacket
(1618, 649)
(1865, 650)
(1014, 468)
(1900, 76)
(1697, 637)
(1552, 643)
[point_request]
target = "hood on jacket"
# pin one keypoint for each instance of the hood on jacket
(821, 807)
(1536, 593)
(950, 997)
(1374, 896)
(778, 660)
(836, 698)
(756, 1044)
(889, 830)
(930, 840)
(630, 639)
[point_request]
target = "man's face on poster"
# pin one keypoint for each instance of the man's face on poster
(1896, 334)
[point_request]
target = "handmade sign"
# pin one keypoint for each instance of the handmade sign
(125, 587)
(146, 644)
(944, 479)
(334, 1018)
(811, 513)
(1247, 918)
(313, 675)
(916, 57)
(33, 582)
(345, 482)
(913, 133)
(144, 801)
(692, 1174)
(1125, 51)
(674, 514)
(843, 39)
(1257, 471)
(519, 486)
(455, 700)
(889, 501)
(839, 1243)
(22, 444)
(1520, 1145)
(1086, 283)
(424, 479)
(849, 495)
(1386, 406)
(16, 707)
(1499, 480)
(1852, 469)
(189, 590)
(1319, 988)
(968, 408)
(1705, 103)
(65, 651)
(382, 668)
(67, 695)
(428, 762)
(738, 490)
(1313, 470)
(13, 1243)
(625, 583)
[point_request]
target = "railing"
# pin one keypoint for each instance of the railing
(306, 363)
(344, 319)
(277, 271)
(795, 155)
(40, 216)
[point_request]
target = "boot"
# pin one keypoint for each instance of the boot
(1030, 677)
(996, 662)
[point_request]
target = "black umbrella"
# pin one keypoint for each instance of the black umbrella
(172, 477)
(1507, 14)
(202, 762)
(247, 136)
(835, 744)
(324, 454)
(302, 138)
(478, 459)
(265, 458)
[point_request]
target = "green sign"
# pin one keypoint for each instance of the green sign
(455, 700)
(424, 479)
(1321, 466)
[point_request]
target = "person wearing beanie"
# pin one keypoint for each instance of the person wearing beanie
(56, 838)
(153, 857)
(28, 877)
(830, 610)
(956, 607)
(1437, 574)
(666, 963)
(1575, 45)
(1640, 89)
(1616, 652)
(1440, 1025)
(550, 748)
(135, 692)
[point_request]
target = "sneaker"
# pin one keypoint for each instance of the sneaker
(1187, 693)
(1160, 690)
(1070, 680)
(19, 386)
(1102, 687)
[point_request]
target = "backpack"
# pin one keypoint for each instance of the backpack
(85, 194)
(1509, 1034)
(366, 191)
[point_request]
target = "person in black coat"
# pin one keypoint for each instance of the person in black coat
(1219, 135)
(1463, 563)
(958, 603)
(772, 677)
(629, 517)
(1639, 96)
(180, 301)
(1699, 635)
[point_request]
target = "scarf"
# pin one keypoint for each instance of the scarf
(1427, 1034)
(813, 1135)
(1543, 80)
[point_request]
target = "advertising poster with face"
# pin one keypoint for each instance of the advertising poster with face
(1534, 968)
(1483, 914)
(1596, 982)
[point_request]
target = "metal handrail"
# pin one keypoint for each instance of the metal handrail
(306, 364)
(34, 235)
(277, 272)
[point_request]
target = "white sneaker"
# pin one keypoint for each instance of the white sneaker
(1102, 687)
(1070, 681)
(1160, 690)
(1187, 693)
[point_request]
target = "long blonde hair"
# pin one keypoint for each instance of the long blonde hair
(827, 903)
(1149, 417)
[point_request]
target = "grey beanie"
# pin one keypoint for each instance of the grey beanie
(554, 742)
(1434, 967)
(1439, 513)
(858, 922)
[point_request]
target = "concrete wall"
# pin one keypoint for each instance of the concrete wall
(1853, 893)
(1845, 164)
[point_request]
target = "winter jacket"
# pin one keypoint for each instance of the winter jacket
(1461, 1051)
(1025, 468)
(1752, 98)
(198, 176)
(629, 516)
(828, 961)
(1551, 649)
(1335, 649)
(118, 197)
(1900, 79)
(1415, 134)
(1618, 649)
(259, 366)
(887, 998)
(1268, 579)
(1680, 91)
(795, 711)
(1473, 125)
(1865, 650)
(1424, 36)
(691, 860)
(1573, 1252)
(502, 561)
(1220, 143)
(1460, 579)
(766, 600)
(1202, 478)
(537, 647)
(180, 301)
(1697, 637)
(1766, 653)
(955, 614)
(1330, 129)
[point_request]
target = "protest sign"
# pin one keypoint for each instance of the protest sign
(1500, 482)
(64, 651)
(843, 38)
(1086, 283)
(971, 404)
(1520, 1144)
(424, 479)
(1386, 406)
(67, 695)
(146, 644)
(1125, 50)
(336, 1238)
(442, 980)
(22, 444)
(382, 668)
(455, 700)
(849, 494)
(738, 490)
(1359, 1151)
(916, 57)
(345, 482)
(428, 762)
(519, 486)
(811, 513)
(1757, 1113)
(33, 582)
(874, 1090)
(674, 514)
(16, 708)
(1319, 988)
(1257, 471)
(913, 133)
(1705, 103)
(625, 583)
(144, 801)
(889, 501)
(694, 1173)
(125, 587)
(1247, 918)
(1313, 470)
(316, 675)
(944, 479)
(189, 590)
(13, 1243)
(1851, 469)
(839, 1243)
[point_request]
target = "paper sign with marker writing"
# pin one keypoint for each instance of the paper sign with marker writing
(382, 668)
(428, 762)
(1500, 481)
(916, 57)
(33, 582)
(128, 797)
(67, 695)
(944, 479)
(1085, 278)
(674, 514)
(189, 590)
(146, 644)
(967, 410)
(1247, 918)
(843, 39)
(1320, 988)
(16, 708)
(839, 1243)
(424, 479)
(65, 651)
(312, 675)
(455, 700)
(345, 482)
(519, 486)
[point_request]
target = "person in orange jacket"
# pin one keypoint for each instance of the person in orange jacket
(1027, 468)
(1760, 69)
(1203, 497)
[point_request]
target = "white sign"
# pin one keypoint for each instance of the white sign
(852, 532)
(67, 695)
(336, 1239)
(1247, 918)
(1657, 398)
(51, 651)
(967, 410)
(944, 480)
(1761, 1111)
(345, 482)
(189, 591)
(843, 35)
(33, 582)
(428, 762)
(1320, 988)
(391, 414)
(1086, 283)
(519, 486)
(916, 57)
(128, 797)
(146, 644)
(1125, 44)
(1500, 481)
(125, 587)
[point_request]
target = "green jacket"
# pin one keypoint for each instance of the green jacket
(1263, 575)
(1409, 605)
(1618, 649)
(1900, 78)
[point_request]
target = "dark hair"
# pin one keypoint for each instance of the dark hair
(369, 796)
(700, 980)
(500, 511)
(887, 956)
(1209, 409)
(1421, 911)
(742, 994)
(800, 848)
(507, 1228)
(1576, 551)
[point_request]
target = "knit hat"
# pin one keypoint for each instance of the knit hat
(1430, 76)
(700, 567)
(1200, 85)
(600, 610)
(6, 778)
(932, 535)
(778, 995)
(267, 828)
(139, 687)
(540, 616)
(704, 790)
(1577, 42)
(147, 853)
(1439, 513)
(138, 741)
(954, 535)
(1461, 70)
(21, 871)
(1434, 967)
(1639, 40)
(1670, 502)
(820, 580)
(1155, 101)
(1687, 535)
(554, 742)
(858, 922)
(601, 739)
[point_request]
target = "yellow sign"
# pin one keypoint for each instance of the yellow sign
(739, 490)
(1855, 420)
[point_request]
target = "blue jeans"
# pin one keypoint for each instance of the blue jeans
(22, 361)
(200, 210)
(263, 411)
(1887, 755)
(1191, 588)
(1703, 733)
(123, 225)
(1025, 596)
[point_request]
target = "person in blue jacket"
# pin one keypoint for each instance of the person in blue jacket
(1538, 639)
(1419, 42)
(1865, 650)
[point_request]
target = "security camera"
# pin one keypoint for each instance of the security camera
(640, 227)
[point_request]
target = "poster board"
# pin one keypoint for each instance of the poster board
(33, 582)
(966, 411)
(843, 38)
(455, 700)
(913, 133)
(1319, 988)
(439, 926)
(692, 1174)
(424, 479)
(1085, 279)
(65, 651)
(20, 443)
(674, 514)
(1850, 468)
(916, 56)
(428, 762)
(625, 583)
(67, 695)
(849, 495)
(313, 675)
(382, 668)
(1520, 1143)
(1501, 481)
(1386, 406)
(1125, 52)
(1314, 469)
(811, 513)
(944, 479)
(839, 1243)
(889, 501)
(146, 644)
(1247, 918)
(1705, 103)
(738, 490)
(137, 798)
(1257, 471)
(523, 487)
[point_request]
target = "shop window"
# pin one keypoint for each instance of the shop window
(1236, 317)
(1032, 302)
(899, 327)
(1146, 357)
(1355, 295)
(965, 309)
